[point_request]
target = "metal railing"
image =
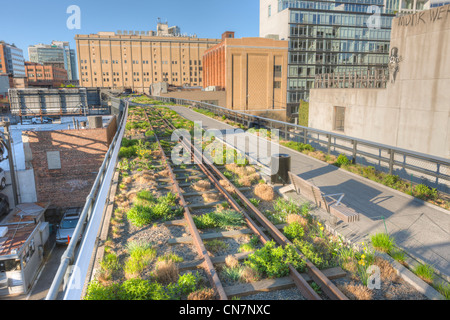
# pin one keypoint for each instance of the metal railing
(409, 165)
(93, 208)
(376, 79)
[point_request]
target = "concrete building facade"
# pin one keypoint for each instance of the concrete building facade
(137, 60)
(41, 75)
(252, 71)
(413, 111)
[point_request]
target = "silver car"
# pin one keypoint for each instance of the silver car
(67, 225)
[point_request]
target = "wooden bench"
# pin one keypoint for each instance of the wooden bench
(329, 202)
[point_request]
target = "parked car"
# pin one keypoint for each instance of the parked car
(39, 121)
(2, 179)
(26, 121)
(66, 227)
(4, 205)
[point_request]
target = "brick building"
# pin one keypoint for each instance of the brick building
(66, 162)
(252, 71)
(135, 60)
(45, 75)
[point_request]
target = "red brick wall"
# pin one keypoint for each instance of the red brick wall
(81, 153)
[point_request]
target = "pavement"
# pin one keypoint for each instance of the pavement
(422, 230)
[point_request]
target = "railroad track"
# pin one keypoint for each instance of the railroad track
(256, 221)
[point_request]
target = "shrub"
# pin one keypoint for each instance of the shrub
(342, 160)
(382, 242)
(202, 295)
(97, 291)
(390, 180)
(128, 152)
(138, 289)
(424, 192)
(294, 231)
(273, 261)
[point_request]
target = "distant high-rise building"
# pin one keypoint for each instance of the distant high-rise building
(58, 53)
(12, 61)
(326, 37)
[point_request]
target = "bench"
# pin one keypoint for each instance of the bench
(329, 202)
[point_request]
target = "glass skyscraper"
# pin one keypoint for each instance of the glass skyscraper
(58, 53)
(327, 37)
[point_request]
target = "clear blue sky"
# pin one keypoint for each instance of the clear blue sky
(28, 22)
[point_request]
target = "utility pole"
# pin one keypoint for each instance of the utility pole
(6, 140)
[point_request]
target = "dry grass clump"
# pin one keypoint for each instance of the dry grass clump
(231, 262)
(388, 273)
(164, 173)
(226, 185)
(249, 275)
(359, 292)
(203, 294)
(297, 218)
(146, 178)
(166, 271)
(202, 185)
(127, 180)
(211, 197)
(245, 181)
(350, 264)
(264, 192)
(131, 196)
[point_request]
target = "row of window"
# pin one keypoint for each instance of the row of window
(337, 58)
(352, 33)
(339, 19)
(338, 46)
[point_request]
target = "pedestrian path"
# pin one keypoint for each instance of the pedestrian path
(420, 229)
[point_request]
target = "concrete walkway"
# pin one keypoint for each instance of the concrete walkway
(421, 230)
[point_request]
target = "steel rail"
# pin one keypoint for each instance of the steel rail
(208, 265)
(303, 286)
(330, 289)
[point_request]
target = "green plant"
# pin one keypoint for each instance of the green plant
(273, 261)
(398, 255)
(444, 289)
(171, 257)
(231, 273)
(227, 219)
(316, 288)
(294, 231)
(97, 291)
(423, 192)
(128, 152)
(141, 254)
(255, 201)
(342, 160)
(382, 242)
(425, 272)
(215, 245)
(110, 262)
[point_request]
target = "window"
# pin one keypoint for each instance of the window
(269, 10)
(277, 85)
(277, 71)
(339, 118)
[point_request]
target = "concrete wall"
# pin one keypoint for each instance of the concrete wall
(276, 24)
(414, 111)
(198, 95)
